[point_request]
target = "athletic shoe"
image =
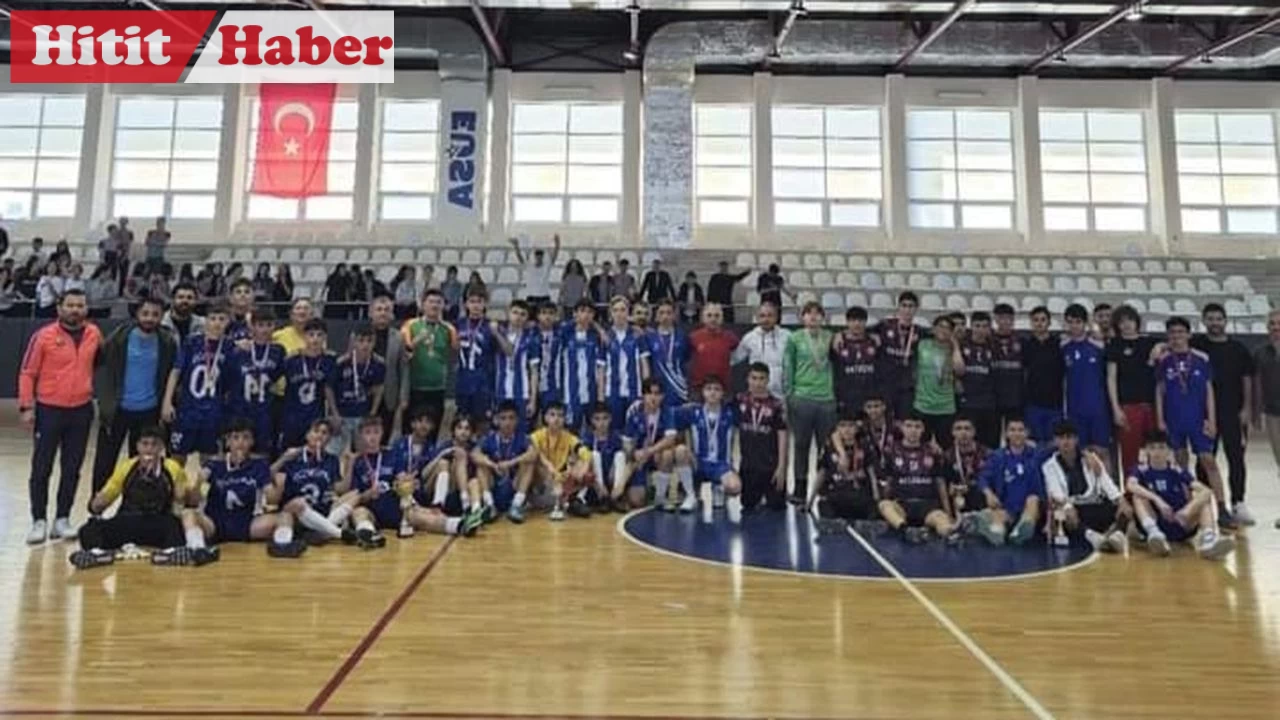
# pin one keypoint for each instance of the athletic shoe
(205, 555)
(406, 529)
(1242, 515)
(621, 506)
(62, 530)
(370, 539)
(1158, 544)
(990, 532)
(94, 557)
(471, 523)
(175, 556)
(1119, 542)
(916, 535)
(293, 549)
(490, 513)
(1097, 540)
(579, 508)
(40, 532)
(1022, 532)
(516, 514)
(954, 539)
(717, 496)
(1214, 546)
(689, 505)
(1226, 521)
(557, 513)
(349, 536)
(1061, 540)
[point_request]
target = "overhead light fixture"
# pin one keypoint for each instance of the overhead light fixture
(960, 94)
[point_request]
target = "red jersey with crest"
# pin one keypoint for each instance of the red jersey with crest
(760, 419)
(914, 473)
(855, 364)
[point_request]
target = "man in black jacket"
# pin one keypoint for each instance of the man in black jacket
(657, 285)
(720, 289)
(133, 366)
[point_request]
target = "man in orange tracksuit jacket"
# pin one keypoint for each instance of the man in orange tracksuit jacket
(55, 397)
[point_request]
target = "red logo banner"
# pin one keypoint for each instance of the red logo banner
(293, 140)
(104, 46)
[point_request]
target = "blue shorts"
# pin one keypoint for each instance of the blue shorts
(1093, 427)
(1040, 422)
(322, 506)
(1182, 435)
(578, 417)
(708, 471)
(475, 406)
(385, 516)
(194, 434)
(504, 492)
(618, 407)
(1014, 501)
(1174, 531)
(231, 529)
(264, 434)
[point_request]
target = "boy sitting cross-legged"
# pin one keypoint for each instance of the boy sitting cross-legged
(1171, 506)
(307, 479)
(240, 488)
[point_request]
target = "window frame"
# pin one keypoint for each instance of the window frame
(827, 139)
(958, 205)
(428, 198)
(168, 195)
(1090, 206)
(1223, 209)
(566, 164)
(700, 197)
(34, 189)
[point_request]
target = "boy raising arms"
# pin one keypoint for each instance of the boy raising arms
(916, 498)
(239, 488)
(255, 369)
(564, 464)
(357, 386)
(505, 461)
(762, 442)
(712, 427)
(1172, 506)
(308, 393)
(195, 414)
(517, 364)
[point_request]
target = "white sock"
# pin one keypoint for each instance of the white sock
(685, 476)
(705, 495)
(619, 470)
(339, 514)
(466, 499)
(195, 538)
(366, 525)
(442, 489)
(451, 526)
(661, 487)
(319, 523)
(1149, 525)
(488, 497)
(518, 500)
(283, 535)
(733, 505)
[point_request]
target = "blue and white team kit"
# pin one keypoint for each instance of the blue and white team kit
(202, 388)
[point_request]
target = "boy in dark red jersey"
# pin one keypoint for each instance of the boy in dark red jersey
(762, 441)
(916, 500)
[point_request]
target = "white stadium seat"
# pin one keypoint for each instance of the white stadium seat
(948, 262)
(268, 255)
(606, 256)
(1039, 265)
(943, 281)
(425, 256)
(1236, 308)
(1063, 283)
(745, 260)
(449, 256)
(1210, 286)
(1015, 282)
(486, 274)
(1237, 284)
(1182, 306)
(926, 262)
(1057, 304)
(1084, 301)
(1153, 267)
(630, 256)
(1016, 265)
(1009, 300)
(967, 282)
(991, 282)
(983, 302)
(858, 262)
(500, 297)
(1159, 285)
(872, 280)
(790, 261)
(1198, 267)
(1258, 327)
(1061, 265)
(1175, 267)
(1130, 267)
(1154, 327)
(753, 298)
(880, 262)
(764, 260)
(1184, 286)
(894, 281)
(508, 276)
(1135, 285)
(799, 279)
(814, 261)
(835, 262)
(335, 255)
(993, 264)
(358, 256)
(315, 273)
(881, 301)
(471, 257)
(586, 257)
(790, 318)
(1137, 304)
(244, 254)
(1259, 305)
(832, 301)
(290, 255)
(822, 279)
(918, 281)
(1087, 284)
(855, 299)
(494, 257)
(1086, 266)
(903, 262)
(847, 279)
(1030, 302)
(958, 302)
(649, 257)
(1112, 285)
(404, 256)
(380, 255)
(1159, 306)
(931, 301)
(314, 255)
(1038, 282)
(972, 264)
(221, 254)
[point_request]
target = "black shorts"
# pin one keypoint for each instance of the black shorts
(848, 502)
(917, 510)
(156, 530)
(1099, 517)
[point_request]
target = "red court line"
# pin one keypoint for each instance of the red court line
(375, 632)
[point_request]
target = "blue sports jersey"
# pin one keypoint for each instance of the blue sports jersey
(312, 477)
(201, 378)
(511, 376)
(604, 448)
(445, 446)
(408, 455)
(240, 328)
(712, 432)
(548, 360)
(498, 448)
(476, 350)
(622, 370)
(668, 356)
(305, 381)
(353, 383)
(1013, 475)
(253, 373)
(1172, 484)
(235, 492)
(1185, 378)
(644, 428)
(580, 355)
(377, 468)
(1086, 376)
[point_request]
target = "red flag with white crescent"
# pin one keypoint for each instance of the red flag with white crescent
(293, 140)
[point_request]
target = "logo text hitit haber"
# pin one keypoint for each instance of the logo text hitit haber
(63, 42)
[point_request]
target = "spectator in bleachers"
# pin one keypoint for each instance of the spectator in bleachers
(1131, 384)
(476, 286)
(657, 285)
(404, 288)
(771, 285)
(765, 343)
(282, 290)
(74, 278)
(451, 293)
(338, 290)
(1266, 399)
(359, 290)
(157, 286)
(600, 288)
(720, 289)
(10, 299)
(262, 283)
(537, 271)
(372, 287)
(185, 274)
(38, 253)
(207, 281)
(157, 243)
(624, 283)
(428, 279)
(573, 285)
(690, 299)
(61, 253)
(124, 241)
(234, 272)
(48, 289)
(108, 252)
(27, 276)
(1233, 395)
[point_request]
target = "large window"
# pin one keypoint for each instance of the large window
(566, 163)
(407, 159)
(338, 204)
(1227, 172)
(960, 169)
(39, 155)
(165, 158)
(1095, 170)
(826, 166)
(722, 158)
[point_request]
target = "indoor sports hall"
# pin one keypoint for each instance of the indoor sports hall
(976, 153)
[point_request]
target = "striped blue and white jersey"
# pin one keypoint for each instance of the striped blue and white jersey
(622, 369)
(580, 355)
(668, 357)
(513, 370)
(548, 360)
(711, 432)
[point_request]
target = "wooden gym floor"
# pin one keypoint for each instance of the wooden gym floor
(575, 620)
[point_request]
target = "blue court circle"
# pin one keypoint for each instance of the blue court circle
(788, 541)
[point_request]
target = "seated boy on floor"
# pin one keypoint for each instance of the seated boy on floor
(618, 488)
(1172, 506)
(504, 462)
(564, 464)
(1013, 488)
(916, 499)
(385, 487)
(240, 488)
(307, 479)
(846, 489)
(152, 490)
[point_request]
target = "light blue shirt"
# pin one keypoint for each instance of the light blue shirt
(142, 360)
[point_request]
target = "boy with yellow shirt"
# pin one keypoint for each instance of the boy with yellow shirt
(564, 464)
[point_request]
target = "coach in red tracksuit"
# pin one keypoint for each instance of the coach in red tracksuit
(55, 397)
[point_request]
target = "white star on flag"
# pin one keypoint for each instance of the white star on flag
(291, 147)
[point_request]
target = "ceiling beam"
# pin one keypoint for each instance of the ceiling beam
(795, 12)
(1206, 55)
(961, 7)
(490, 37)
(1061, 49)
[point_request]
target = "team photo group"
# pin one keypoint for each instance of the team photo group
(955, 430)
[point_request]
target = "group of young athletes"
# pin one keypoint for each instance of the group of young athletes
(577, 416)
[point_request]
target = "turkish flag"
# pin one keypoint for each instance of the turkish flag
(293, 140)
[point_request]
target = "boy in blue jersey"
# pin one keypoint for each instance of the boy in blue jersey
(712, 428)
(240, 299)
(1087, 406)
(308, 391)
(669, 355)
(477, 345)
(650, 440)
(626, 361)
(1172, 507)
(195, 414)
(240, 488)
(357, 387)
(504, 462)
(307, 479)
(548, 339)
(456, 488)
(581, 366)
(609, 460)
(1186, 407)
(417, 469)
(1014, 491)
(517, 362)
(255, 369)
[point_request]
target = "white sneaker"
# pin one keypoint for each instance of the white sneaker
(39, 532)
(689, 505)
(557, 513)
(1118, 542)
(1096, 539)
(62, 530)
(1158, 544)
(1214, 546)
(1242, 515)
